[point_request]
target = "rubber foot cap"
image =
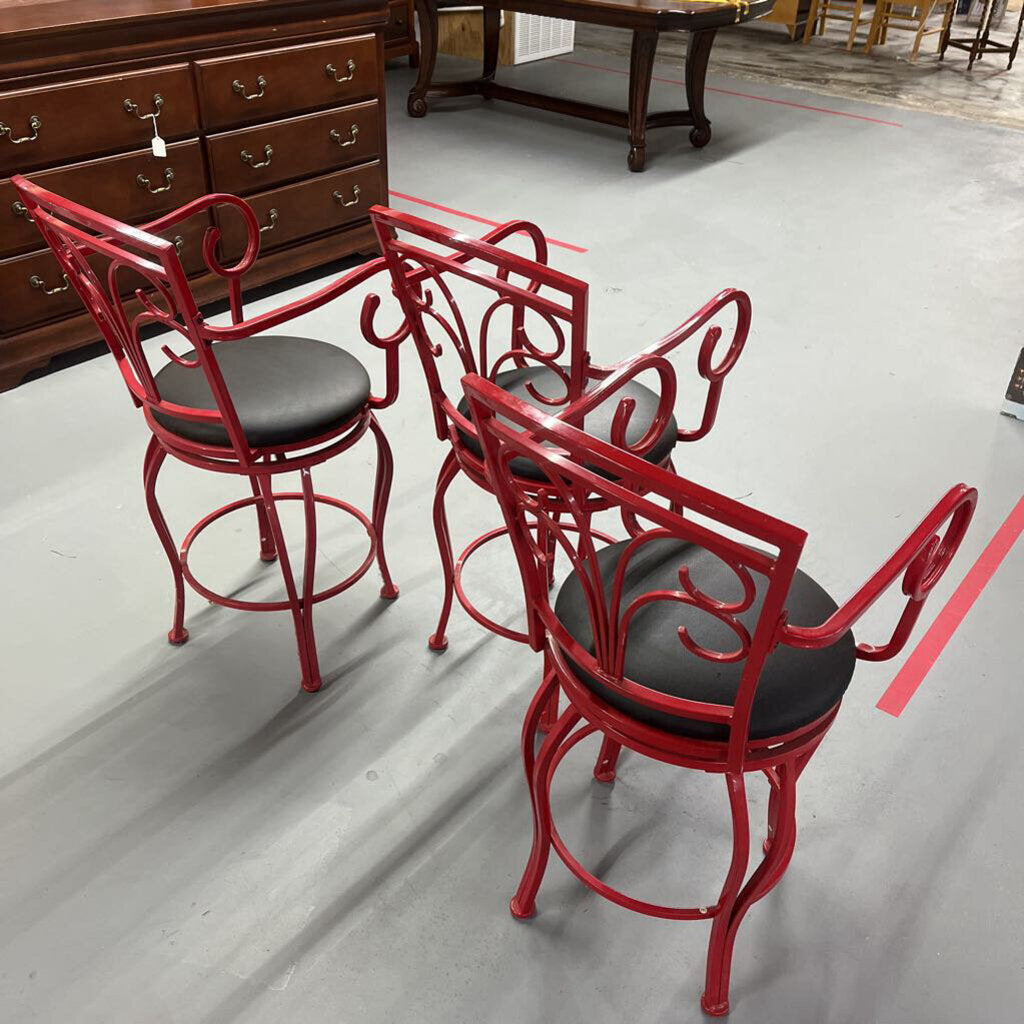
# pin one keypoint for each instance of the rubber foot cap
(389, 593)
(177, 637)
(716, 1010)
(436, 643)
(517, 909)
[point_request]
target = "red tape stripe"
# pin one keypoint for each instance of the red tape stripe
(924, 655)
(474, 217)
(744, 95)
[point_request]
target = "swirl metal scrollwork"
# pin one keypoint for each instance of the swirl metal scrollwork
(725, 611)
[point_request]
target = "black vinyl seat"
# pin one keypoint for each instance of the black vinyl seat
(796, 686)
(599, 422)
(286, 390)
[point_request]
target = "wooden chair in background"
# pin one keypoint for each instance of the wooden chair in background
(845, 10)
(911, 17)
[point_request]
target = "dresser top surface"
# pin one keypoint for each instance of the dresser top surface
(29, 16)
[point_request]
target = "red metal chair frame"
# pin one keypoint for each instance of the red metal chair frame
(920, 561)
(163, 297)
(419, 273)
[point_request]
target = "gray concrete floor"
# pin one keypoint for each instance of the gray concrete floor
(185, 837)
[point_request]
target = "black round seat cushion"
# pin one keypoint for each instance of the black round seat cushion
(598, 422)
(796, 686)
(286, 390)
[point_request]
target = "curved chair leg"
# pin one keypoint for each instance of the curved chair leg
(381, 493)
(301, 606)
(449, 470)
(715, 1000)
(607, 759)
(154, 459)
(538, 708)
(268, 553)
(768, 874)
(524, 903)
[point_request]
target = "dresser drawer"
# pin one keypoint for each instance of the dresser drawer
(272, 83)
(25, 280)
(305, 208)
(119, 186)
(77, 119)
(252, 159)
(397, 26)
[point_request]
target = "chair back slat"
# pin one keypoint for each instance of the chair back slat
(130, 280)
(486, 306)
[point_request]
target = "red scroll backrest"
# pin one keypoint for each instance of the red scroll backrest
(128, 280)
(579, 468)
(523, 312)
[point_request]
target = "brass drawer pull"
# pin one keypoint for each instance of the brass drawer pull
(21, 210)
(143, 182)
(332, 72)
(34, 122)
(133, 108)
(271, 223)
(261, 84)
(354, 201)
(248, 158)
(37, 282)
(353, 133)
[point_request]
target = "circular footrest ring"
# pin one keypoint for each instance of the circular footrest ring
(595, 883)
(275, 606)
(471, 609)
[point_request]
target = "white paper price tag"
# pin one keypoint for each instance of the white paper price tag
(158, 145)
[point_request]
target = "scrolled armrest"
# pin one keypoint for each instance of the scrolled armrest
(613, 378)
(329, 292)
(603, 392)
(371, 303)
(213, 233)
(922, 559)
(713, 373)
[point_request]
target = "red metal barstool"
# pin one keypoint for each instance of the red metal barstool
(514, 301)
(681, 642)
(239, 401)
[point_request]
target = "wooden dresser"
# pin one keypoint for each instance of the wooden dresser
(281, 101)
(400, 32)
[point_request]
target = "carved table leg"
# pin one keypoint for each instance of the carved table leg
(426, 11)
(697, 54)
(492, 37)
(1016, 40)
(641, 68)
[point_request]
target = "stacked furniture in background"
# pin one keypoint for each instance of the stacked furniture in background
(282, 102)
(981, 43)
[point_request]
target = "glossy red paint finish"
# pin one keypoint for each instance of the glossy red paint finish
(428, 260)
(161, 296)
(771, 549)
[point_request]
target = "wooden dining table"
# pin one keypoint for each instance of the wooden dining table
(646, 19)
